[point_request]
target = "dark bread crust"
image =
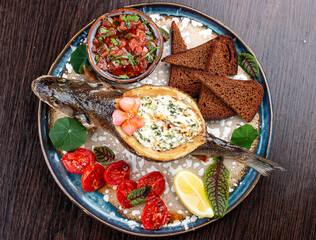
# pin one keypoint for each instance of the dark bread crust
(244, 97)
(196, 58)
(180, 77)
(223, 59)
(212, 107)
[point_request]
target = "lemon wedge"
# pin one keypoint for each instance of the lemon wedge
(189, 188)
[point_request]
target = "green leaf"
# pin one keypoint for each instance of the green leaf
(216, 186)
(104, 155)
(145, 22)
(164, 34)
(138, 196)
(68, 134)
(249, 64)
(244, 136)
(79, 58)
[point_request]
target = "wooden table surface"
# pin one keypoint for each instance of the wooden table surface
(282, 33)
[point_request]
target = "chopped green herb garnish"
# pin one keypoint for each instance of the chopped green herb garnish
(128, 36)
(150, 47)
(123, 76)
(150, 38)
(108, 34)
(150, 59)
(97, 58)
(126, 57)
(114, 41)
(151, 51)
(118, 29)
(127, 21)
(102, 30)
(133, 18)
(100, 40)
(131, 59)
(110, 20)
(145, 22)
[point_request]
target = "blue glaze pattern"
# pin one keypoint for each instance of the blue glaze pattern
(93, 202)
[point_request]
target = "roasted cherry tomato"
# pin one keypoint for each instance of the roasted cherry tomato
(155, 214)
(123, 190)
(117, 172)
(77, 161)
(156, 181)
(92, 177)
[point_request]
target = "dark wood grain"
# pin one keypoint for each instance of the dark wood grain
(282, 33)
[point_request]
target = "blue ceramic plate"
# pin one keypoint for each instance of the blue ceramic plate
(93, 203)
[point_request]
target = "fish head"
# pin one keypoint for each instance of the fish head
(62, 94)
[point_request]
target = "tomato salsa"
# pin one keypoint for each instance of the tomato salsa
(125, 45)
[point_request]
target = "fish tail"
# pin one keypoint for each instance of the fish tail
(260, 164)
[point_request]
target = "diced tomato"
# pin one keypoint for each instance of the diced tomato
(123, 190)
(123, 26)
(155, 214)
(92, 177)
(77, 161)
(117, 172)
(157, 182)
(106, 23)
(131, 37)
(104, 52)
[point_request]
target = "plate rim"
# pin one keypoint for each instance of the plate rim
(253, 184)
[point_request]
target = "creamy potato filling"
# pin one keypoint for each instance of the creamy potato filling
(168, 123)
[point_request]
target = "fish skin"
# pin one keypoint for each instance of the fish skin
(90, 103)
(96, 102)
(217, 147)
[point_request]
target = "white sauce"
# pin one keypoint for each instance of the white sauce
(168, 123)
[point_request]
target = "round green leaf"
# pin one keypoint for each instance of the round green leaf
(68, 134)
(244, 136)
(79, 58)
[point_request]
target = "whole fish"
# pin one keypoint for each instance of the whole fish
(94, 102)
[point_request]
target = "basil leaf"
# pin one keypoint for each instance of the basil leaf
(216, 186)
(244, 136)
(249, 64)
(164, 34)
(104, 155)
(68, 134)
(123, 76)
(79, 58)
(138, 196)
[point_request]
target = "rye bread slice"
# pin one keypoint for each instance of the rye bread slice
(223, 59)
(180, 77)
(196, 58)
(244, 97)
(212, 107)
